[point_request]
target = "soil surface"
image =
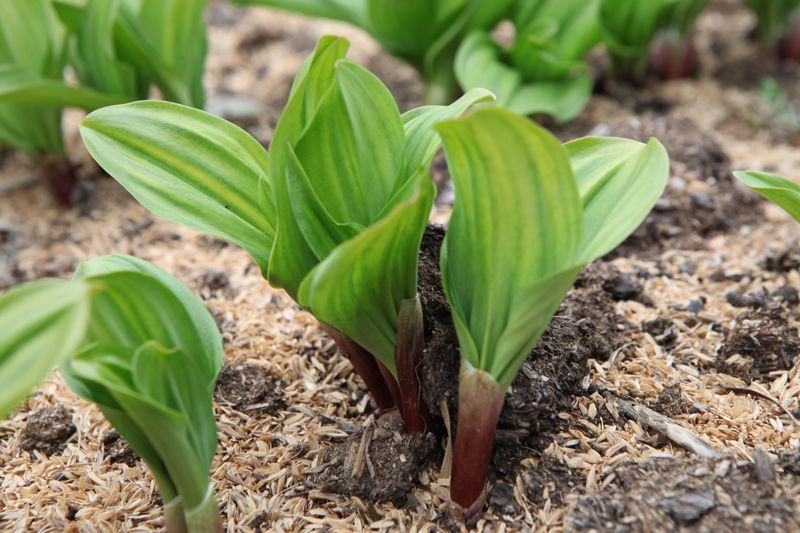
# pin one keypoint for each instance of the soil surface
(695, 316)
(47, 430)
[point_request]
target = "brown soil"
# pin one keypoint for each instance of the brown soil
(249, 388)
(118, 450)
(47, 430)
(378, 463)
(759, 343)
(671, 402)
(693, 495)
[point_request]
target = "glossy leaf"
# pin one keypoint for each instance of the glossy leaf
(188, 166)
(784, 193)
(43, 324)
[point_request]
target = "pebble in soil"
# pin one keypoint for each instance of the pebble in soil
(47, 430)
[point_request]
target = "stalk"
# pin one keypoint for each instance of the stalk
(408, 358)
(174, 520)
(674, 56)
(480, 400)
(204, 518)
(367, 367)
(789, 44)
(59, 174)
(390, 381)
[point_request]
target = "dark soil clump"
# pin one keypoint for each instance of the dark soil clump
(379, 464)
(670, 402)
(249, 388)
(680, 494)
(552, 480)
(47, 430)
(118, 450)
(760, 342)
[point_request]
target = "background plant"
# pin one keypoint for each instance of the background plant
(504, 277)
(778, 25)
(334, 214)
(425, 33)
(544, 70)
(140, 345)
(117, 48)
(783, 192)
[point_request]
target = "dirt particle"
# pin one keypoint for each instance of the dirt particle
(670, 402)
(663, 330)
(760, 342)
(47, 430)
(396, 460)
(501, 499)
(118, 450)
(551, 480)
(250, 388)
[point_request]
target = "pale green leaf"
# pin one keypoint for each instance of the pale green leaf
(20, 86)
(619, 181)
(785, 193)
(43, 323)
(188, 166)
(492, 263)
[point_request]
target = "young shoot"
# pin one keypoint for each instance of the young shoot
(140, 345)
(334, 214)
(504, 276)
(784, 193)
(544, 70)
(778, 26)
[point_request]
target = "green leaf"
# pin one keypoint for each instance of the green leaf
(494, 267)
(783, 192)
(43, 323)
(358, 288)
(292, 257)
(478, 64)
(134, 307)
(353, 11)
(422, 141)
(20, 86)
(205, 328)
(188, 166)
(619, 181)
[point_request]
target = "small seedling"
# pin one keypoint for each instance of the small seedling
(504, 276)
(544, 71)
(778, 26)
(140, 345)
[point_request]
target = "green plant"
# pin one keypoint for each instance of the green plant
(544, 71)
(630, 27)
(117, 49)
(140, 345)
(782, 111)
(504, 276)
(425, 33)
(784, 193)
(778, 25)
(334, 214)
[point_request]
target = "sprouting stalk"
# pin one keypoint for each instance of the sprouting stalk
(480, 400)
(365, 366)
(174, 519)
(204, 518)
(408, 358)
(59, 174)
(674, 55)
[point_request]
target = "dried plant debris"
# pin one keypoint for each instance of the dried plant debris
(47, 430)
(679, 494)
(761, 341)
(379, 463)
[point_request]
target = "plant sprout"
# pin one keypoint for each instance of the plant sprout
(334, 214)
(140, 345)
(781, 191)
(504, 276)
(544, 71)
(778, 25)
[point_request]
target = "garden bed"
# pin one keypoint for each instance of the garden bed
(693, 313)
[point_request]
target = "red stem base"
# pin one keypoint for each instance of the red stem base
(60, 176)
(480, 400)
(408, 358)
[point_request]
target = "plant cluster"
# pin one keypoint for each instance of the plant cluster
(778, 26)
(335, 213)
(140, 345)
(117, 49)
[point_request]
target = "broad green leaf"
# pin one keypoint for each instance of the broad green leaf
(205, 328)
(619, 181)
(783, 192)
(133, 308)
(291, 256)
(20, 86)
(492, 264)
(404, 28)
(629, 25)
(422, 141)
(188, 166)
(478, 64)
(358, 288)
(43, 323)
(30, 36)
